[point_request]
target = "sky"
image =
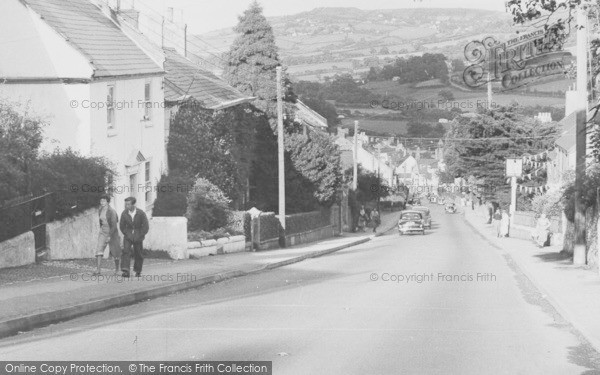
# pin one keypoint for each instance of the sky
(207, 15)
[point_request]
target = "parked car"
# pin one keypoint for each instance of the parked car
(426, 215)
(411, 222)
(450, 208)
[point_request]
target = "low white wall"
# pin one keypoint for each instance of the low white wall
(233, 244)
(18, 251)
(168, 234)
(73, 238)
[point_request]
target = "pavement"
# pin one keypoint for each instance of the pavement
(574, 291)
(37, 295)
(447, 302)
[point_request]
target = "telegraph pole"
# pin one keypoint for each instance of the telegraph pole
(378, 176)
(579, 250)
(355, 158)
(489, 90)
(280, 150)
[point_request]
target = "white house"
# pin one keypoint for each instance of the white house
(100, 93)
(408, 171)
(368, 160)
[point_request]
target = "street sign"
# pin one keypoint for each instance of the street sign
(514, 167)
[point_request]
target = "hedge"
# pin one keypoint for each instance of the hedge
(307, 221)
(269, 226)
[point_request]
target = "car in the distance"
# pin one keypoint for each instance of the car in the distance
(411, 221)
(426, 215)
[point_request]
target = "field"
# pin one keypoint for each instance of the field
(378, 126)
(466, 100)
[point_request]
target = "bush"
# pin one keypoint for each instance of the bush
(78, 180)
(240, 222)
(548, 203)
(171, 197)
(269, 226)
(208, 206)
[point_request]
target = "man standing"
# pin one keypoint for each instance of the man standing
(134, 225)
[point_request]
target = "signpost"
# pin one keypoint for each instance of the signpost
(514, 169)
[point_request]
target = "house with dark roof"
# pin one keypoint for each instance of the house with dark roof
(186, 80)
(99, 91)
(310, 119)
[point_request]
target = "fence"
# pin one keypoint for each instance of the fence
(28, 214)
(268, 232)
(34, 213)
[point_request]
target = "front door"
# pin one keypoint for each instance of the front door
(133, 185)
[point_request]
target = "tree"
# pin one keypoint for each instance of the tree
(446, 94)
(416, 129)
(252, 61)
(202, 146)
(20, 140)
(478, 146)
(316, 158)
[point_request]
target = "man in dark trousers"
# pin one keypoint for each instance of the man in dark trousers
(134, 225)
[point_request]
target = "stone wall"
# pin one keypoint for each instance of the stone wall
(310, 236)
(73, 238)
(168, 234)
(18, 251)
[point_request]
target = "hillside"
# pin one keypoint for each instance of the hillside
(326, 41)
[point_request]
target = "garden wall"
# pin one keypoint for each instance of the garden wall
(74, 237)
(168, 234)
(300, 228)
(17, 251)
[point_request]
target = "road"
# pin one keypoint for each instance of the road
(443, 303)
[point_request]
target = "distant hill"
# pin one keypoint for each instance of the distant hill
(337, 40)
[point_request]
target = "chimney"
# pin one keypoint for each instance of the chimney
(170, 14)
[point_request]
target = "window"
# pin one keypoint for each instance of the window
(148, 186)
(110, 106)
(147, 102)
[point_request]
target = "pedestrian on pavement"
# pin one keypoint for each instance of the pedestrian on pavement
(490, 212)
(376, 219)
(362, 218)
(542, 231)
(505, 224)
(497, 218)
(134, 225)
(109, 234)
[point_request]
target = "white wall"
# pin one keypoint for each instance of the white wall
(33, 49)
(370, 162)
(130, 134)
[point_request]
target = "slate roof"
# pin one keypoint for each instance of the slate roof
(309, 116)
(85, 26)
(568, 130)
(186, 79)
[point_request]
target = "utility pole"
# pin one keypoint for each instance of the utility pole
(378, 175)
(489, 90)
(579, 250)
(280, 150)
(355, 158)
